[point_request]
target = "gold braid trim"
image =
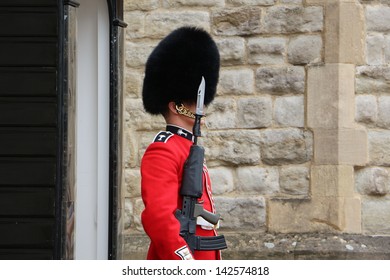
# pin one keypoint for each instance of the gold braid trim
(183, 110)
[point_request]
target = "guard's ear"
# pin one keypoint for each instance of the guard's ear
(172, 107)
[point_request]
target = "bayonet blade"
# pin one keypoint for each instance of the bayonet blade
(200, 98)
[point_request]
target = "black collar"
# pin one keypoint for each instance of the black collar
(180, 131)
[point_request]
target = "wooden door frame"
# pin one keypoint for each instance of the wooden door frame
(115, 8)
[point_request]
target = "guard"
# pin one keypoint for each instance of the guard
(181, 223)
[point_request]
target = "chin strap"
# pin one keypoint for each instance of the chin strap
(183, 110)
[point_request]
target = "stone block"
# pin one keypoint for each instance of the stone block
(128, 214)
(135, 24)
(366, 109)
(237, 21)
(158, 24)
(254, 112)
(286, 146)
(251, 2)
(379, 143)
(378, 18)
(289, 111)
(137, 53)
(373, 79)
(232, 50)
(133, 183)
(387, 49)
(222, 180)
(376, 215)
(233, 147)
(294, 180)
(221, 114)
(281, 80)
(344, 33)
(305, 49)
(144, 5)
(330, 93)
(236, 82)
(372, 181)
(192, 3)
(375, 47)
(291, 2)
(138, 208)
(290, 216)
(384, 112)
(139, 119)
(352, 219)
(134, 81)
(315, 2)
(258, 180)
(341, 146)
(332, 181)
(320, 214)
(293, 19)
(267, 50)
(241, 213)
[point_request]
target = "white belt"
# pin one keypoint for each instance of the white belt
(205, 224)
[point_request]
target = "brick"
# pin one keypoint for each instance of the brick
(236, 21)
(294, 180)
(344, 33)
(222, 180)
(384, 112)
(372, 181)
(236, 82)
(332, 181)
(251, 2)
(378, 18)
(193, 3)
(231, 50)
(144, 5)
(289, 111)
(258, 180)
(376, 215)
(329, 104)
(267, 50)
(133, 82)
(341, 146)
(132, 183)
(305, 49)
(242, 213)
(293, 19)
(254, 112)
(286, 146)
(373, 79)
(137, 53)
(366, 109)
(158, 24)
(379, 143)
(280, 80)
(233, 147)
(221, 114)
(375, 47)
(135, 24)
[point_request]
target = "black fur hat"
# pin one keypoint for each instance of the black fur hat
(175, 68)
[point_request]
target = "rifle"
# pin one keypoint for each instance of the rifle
(192, 189)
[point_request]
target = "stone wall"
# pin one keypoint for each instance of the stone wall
(373, 111)
(286, 136)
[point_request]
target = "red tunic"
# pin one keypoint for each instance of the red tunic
(161, 171)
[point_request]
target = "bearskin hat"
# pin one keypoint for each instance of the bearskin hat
(175, 68)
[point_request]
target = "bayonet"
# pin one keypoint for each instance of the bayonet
(199, 113)
(200, 98)
(192, 189)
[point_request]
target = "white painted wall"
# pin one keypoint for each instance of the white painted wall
(92, 136)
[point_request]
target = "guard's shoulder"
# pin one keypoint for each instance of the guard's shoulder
(162, 137)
